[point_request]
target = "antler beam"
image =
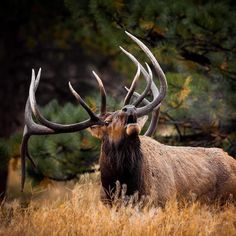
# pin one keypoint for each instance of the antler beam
(48, 127)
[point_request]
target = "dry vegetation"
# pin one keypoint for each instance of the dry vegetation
(67, 210)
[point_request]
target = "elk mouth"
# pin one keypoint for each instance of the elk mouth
(131, 120)
(132, 127)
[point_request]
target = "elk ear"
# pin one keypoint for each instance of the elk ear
(141, 121)
(96, 131)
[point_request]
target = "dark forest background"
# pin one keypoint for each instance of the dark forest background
(194, 42)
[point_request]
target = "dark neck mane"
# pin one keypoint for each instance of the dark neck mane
(122, 162)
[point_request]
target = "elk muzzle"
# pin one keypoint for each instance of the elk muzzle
(131, 125)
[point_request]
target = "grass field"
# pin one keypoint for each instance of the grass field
(75, 209)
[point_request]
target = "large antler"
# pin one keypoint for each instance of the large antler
(49, 127)
(163, 83)
(153, 106)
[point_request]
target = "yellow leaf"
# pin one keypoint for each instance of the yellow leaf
(223, 66)
(147, 25)
(119, 4)
(185, 91)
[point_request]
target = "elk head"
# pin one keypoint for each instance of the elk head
(119, 125)
(115, 126)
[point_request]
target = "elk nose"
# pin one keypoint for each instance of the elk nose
(129, 109)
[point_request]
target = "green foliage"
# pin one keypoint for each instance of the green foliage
(194, 41)
(198, 31)
(193, 98)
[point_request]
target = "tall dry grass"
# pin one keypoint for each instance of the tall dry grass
(78, 211)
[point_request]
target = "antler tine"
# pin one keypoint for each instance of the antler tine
(82, 103)
(132, 87)
(153, 88)
(154, 121)
(60, 128)
(103, 108)
(30, 128)
(37, 80)
(23, 151)
(163, 83)
(147, 89)
(155, 113)
(137, 95)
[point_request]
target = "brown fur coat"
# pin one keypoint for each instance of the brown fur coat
(189, 172)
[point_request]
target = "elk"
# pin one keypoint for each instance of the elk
(142, 163)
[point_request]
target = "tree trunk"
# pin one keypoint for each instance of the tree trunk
(3, 183)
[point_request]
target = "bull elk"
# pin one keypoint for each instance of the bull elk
(143, 164)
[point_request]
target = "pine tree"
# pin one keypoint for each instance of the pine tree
(194, 41)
